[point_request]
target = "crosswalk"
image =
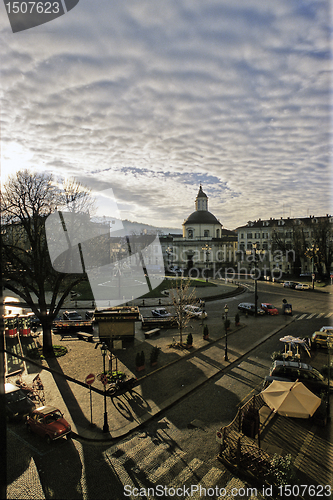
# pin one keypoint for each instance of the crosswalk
(149, 465)
(322, 315)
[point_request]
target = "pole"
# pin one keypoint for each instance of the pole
(106, 425)
(91, 416)
(328, 409)
(226, 334)
(3, 428)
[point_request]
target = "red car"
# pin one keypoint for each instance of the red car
(48, 422)
(269, 309)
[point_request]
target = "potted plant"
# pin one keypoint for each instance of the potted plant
(205, 333)
(237, 319)
(154, 355)
(140, 361)
(189, 340)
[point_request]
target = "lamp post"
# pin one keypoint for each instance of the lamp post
(105, 425)
(206, 249)
(169, 253)
(104, 348)
(329, 347)
(255, 281)
(226, 332)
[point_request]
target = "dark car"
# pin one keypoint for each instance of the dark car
(160, 312)
(71, 316)
(247, 307)
(18, 404)
(49, 423)
(294, 370)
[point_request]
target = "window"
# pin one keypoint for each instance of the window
(190, 233)
(206, 233)
(249, 236)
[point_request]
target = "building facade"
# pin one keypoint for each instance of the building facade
(205, 248)
(286, 246)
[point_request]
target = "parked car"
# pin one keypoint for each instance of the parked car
(195, 312)
(34, 321)
(294, 370)
(89, 315)
(160, 312)
(71, 316)
(175, 270)
(320, 338)
(290, 284)
(302, 286)
(269, 309)
(49, 423)
(250, 308)
(18, 404)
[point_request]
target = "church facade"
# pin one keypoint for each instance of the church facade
(205, 248)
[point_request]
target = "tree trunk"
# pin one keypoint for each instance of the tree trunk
(47, 340)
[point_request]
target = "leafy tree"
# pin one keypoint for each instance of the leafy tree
(181, 295)
(27, 199)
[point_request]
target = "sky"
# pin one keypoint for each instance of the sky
(150, 98)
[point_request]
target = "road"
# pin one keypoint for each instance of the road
(178, 448)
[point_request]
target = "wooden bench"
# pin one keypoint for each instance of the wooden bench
(85, 336)
(150, 333)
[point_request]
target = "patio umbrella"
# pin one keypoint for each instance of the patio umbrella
(290, 399)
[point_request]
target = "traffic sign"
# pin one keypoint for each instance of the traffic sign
(104, 379)
(90, 379)
(219, 437)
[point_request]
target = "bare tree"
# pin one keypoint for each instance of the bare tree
(77, 197)
(181, 295)
(26, 201)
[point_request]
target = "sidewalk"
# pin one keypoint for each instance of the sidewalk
(179, 373)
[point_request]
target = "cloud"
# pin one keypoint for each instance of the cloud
(152, 99)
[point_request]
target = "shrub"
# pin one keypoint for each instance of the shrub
(37, 352)
(154, 354)
(189, 340)
(282, 470)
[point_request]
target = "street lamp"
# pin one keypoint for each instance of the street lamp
(169, 252)
(226, 332)
(104, 348)
(255, 281)
(329, 347)
(206, 249)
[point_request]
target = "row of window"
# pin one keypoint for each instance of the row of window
(190, 233)
(281, 235)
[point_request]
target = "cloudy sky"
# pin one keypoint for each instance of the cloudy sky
(150, 98)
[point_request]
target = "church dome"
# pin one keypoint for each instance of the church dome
(201, 217)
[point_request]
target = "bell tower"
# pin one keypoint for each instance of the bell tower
(201, 201)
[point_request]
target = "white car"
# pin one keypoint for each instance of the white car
(195, 312)
(302, 286)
